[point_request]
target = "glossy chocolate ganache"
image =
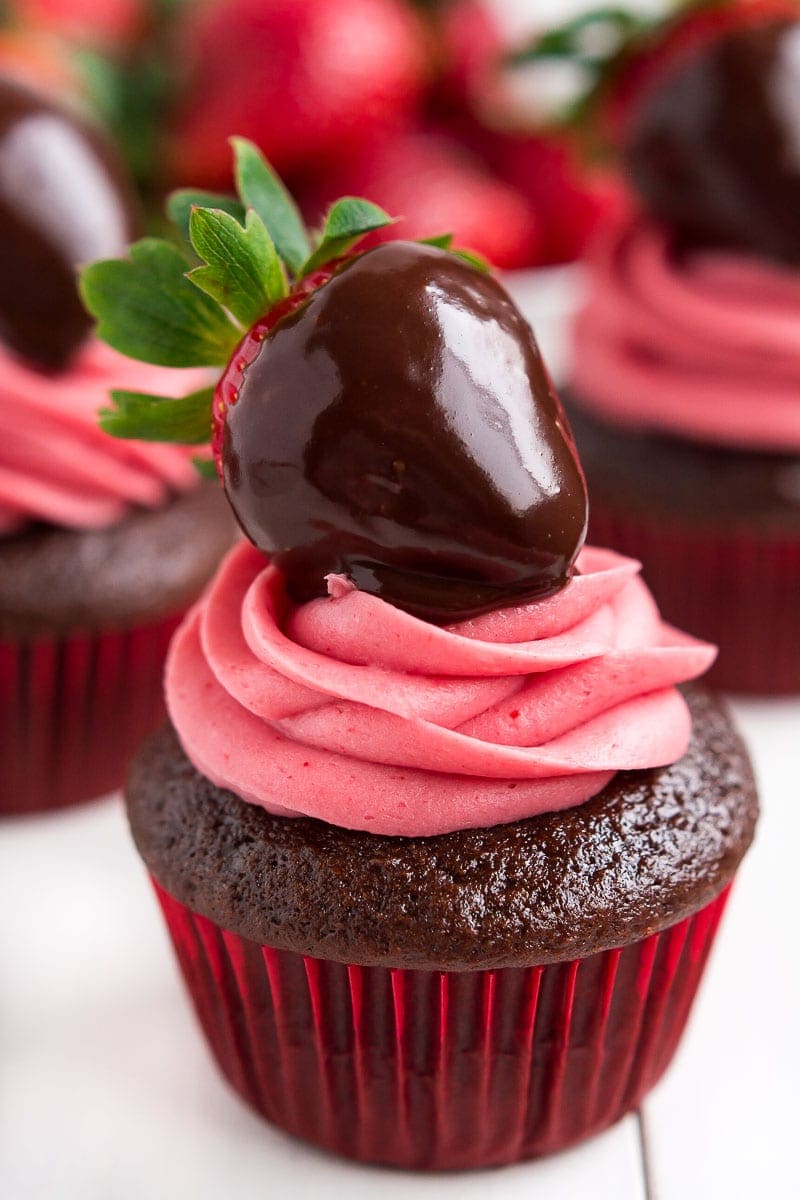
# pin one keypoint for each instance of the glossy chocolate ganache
(714, 149)
(400, 429)
(48, 155)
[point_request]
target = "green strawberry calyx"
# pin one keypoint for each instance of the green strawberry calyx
(189, 301)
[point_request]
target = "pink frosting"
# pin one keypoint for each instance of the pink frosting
(706, 346)
(350, 710)
(57, 465)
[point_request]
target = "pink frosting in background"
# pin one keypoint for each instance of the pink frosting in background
(705, 347)
(351, 711)
(57, 465)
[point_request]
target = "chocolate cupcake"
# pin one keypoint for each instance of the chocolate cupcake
(103, 544)
(684, 385)
(441, 845)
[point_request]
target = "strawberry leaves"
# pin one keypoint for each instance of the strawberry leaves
(243, 272)
(181, 203)
(261, 189)
(147, 308)
(348, 220)
(189, 306)
(186, 420)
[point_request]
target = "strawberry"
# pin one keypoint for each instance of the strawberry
(469, 45)
(383, 415)
(569, 199)
(435, 184)
(230, 383)
(308, 82)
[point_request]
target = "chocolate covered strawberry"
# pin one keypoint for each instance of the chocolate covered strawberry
(48, 152)
(381, 415)
(704, 109)
(714, 148)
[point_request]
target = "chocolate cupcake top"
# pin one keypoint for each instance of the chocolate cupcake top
(649, 849)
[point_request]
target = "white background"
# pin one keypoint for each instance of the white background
(108, 1093)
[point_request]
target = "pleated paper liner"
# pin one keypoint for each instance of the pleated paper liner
(740, 590)
(441, 1070)
(73, 711)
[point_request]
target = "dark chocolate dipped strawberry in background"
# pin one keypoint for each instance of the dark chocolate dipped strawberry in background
(64, 201)
(95, 566)
(686, 373)
(714, 150)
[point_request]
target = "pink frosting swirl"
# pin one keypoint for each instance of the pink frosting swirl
(706, 346)
(57, 465)
(351, 711)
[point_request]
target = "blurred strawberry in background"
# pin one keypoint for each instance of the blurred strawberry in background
(435, 186)
(405, 102)
(570, 199)
(469, 44)
(309, 82)
(519, 199)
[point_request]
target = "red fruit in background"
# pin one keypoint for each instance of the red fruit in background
(570, 200)
(469, 45)
(94, 22)
(308, 82)
(647, 61)
(436, 187)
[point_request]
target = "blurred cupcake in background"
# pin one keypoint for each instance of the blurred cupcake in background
(103, 543)
(685, 379)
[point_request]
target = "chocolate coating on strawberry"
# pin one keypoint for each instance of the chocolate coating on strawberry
(400, 428)
(714, 148)
(64, 201)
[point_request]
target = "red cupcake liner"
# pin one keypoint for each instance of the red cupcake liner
(441, 1070)
(740, 590)
(73, 711)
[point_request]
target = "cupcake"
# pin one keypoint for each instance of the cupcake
(441, 845)
(103, 543)
(684, 392)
